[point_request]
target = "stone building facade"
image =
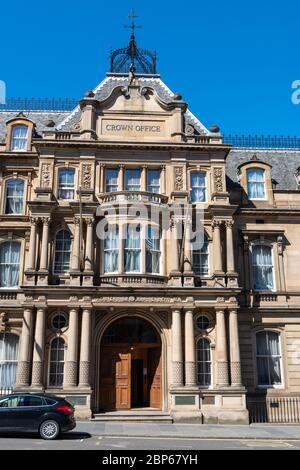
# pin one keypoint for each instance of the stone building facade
(141, 317)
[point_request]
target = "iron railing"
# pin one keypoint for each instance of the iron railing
(275, 410)
(262, 141)
(39, 104)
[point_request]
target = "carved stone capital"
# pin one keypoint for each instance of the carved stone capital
(229, 224)
(45, 220)
(33, 220)
(89, 221)
(216, 223)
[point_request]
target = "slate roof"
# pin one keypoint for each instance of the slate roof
(285, 164)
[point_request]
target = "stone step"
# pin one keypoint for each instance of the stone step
(133, 417)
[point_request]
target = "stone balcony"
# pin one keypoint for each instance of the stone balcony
(133, 280)
(126, 197)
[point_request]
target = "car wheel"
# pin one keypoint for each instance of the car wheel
(49, 429)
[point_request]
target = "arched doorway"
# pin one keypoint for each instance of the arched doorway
(130, 366)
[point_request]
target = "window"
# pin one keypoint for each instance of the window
(14, 197)
(153, 253)
(204, 362)
(9, 264)
(256, 183)
(19, 138)
(59, 322)
(132, 180)
(62, 252)
(201, 259)
(132, 255)
(202, 322)
(66, 184)
(268, 359)
(9, 348)
(198, 187)
(111, 180)
(11, 402)
(29, 400)
(153, 181)
(263, 271)
(130, 330)
(111, 250)
(57, 362)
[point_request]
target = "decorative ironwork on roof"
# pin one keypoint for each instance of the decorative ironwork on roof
(132, 58)
(262, 141)
(39, 104)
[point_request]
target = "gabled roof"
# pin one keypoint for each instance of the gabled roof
(104, 89)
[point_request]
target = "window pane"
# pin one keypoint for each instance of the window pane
(204, 362)
(256, 183)
(111, 250)
(133, 180)
(111, 180)
(32, 401)
(262, 263)
(132, 249)
(9, 348)
(153, 253)
(153, 181)
(14, 197)
(268, 358)
(19, 138)
(62, 252)
(66, 183)
(201, 259)
(57, 355)
(9, 264)
(198, 187)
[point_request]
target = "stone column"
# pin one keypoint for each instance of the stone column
(38, 349)
(88, 262)
(45, 242)
(71, 363)
(177, 354)
(31, 261)
(102, 178)
(235, 358)
(222, 378)
(173, 255)
(218, 268)
(230, 247)
(188, 264)
(23, 369)
(163, 179)
(144, 178)
(121, 178)
(190, 353)
(85, 345)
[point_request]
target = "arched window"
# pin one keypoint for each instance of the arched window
(153, 253)
(62, 252)
(66, 183)
(19, 138)
(9, 348)
(263, 269)
(198, 186)
(256, 183)
(9, 264)
(14, 197)
(201, 258)
(268, 358)
(204, 362)
(57, 363)
(111, 250)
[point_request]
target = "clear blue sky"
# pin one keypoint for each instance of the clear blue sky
(232, 61)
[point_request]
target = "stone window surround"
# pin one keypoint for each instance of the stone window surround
(59, 229)
(213, 360)
(66, 166)
(121, 175)
(272, 245)
(207, 172)
(5, 180)
(243, 180)
(47, 356)
(18, 121)
(283, 361)
(9, 236)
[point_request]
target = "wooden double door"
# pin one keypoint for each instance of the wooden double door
(130, 377)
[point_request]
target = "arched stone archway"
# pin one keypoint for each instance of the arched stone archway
(130, 365)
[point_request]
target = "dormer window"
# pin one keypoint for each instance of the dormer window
(256, 184)
(19, 139)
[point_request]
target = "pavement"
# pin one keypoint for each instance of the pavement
(190, 431)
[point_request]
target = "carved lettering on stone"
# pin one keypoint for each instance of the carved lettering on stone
(218, 180)
(178, 176)
(86, 177)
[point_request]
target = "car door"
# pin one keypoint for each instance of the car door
(9, 419)
(30, 408)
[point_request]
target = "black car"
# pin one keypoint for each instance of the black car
(47, 414)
